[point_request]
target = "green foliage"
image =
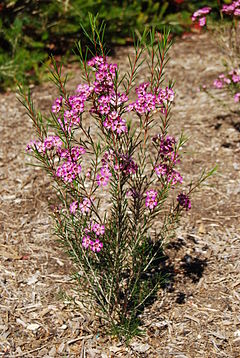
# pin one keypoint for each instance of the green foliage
(121, 276)
(30, 31)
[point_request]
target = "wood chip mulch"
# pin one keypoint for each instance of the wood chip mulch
(197, 314)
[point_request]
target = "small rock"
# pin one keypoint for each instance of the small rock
(162, 324)
(235, 166)
(139, 347)
(64, 326)
(19, 321)
(33, 279)
(237, 333)
(33, 326)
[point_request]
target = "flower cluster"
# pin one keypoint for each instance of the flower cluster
(148, 101)
(57, 105)
(49, 143)
(125, 164)
(184, 201)
(114, 122)
(223, 80)
(165, 145)
(151, 199)
(71, 109)
(93, 231)
(231, 80)
(52, 142)
(232, 9)
(172, 176)
(73, 207)
(73, 154)
(70, 169)
(200, 15)
(169, 158)
(237, 97)
(104, 176)
(37, 145)
(119, 162)
(109, 105)
(84, 206)
(108, 102)
(104, 74)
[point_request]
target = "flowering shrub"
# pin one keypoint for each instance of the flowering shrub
(200, 15)
(232, 9)
(114, 166)
(230, 80)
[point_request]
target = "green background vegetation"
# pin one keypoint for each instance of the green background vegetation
(31, 30)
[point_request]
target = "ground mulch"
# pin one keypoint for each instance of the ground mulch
(197, 314)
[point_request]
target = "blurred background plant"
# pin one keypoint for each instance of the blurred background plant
(226, 32)
(31, 30)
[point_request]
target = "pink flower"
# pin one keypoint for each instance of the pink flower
(96, 246)
(108, 122)
(235, 78)
(174, 178)
(202, 21)
(37, 145)
(85, 205)
(161, 170)
(95, 61)
(102, 180)
(84, 90)
(56, 107)
(88, 173)
(86, 241)
(218, 84)
(98, 229)
(231, 9)
(151, 203)
(151, 194)
(130, 107)
(151, 199)
(201, 12)
(73, 207)
(237, 97)
(69, 171)
(119, 126)
(105, 171)
(104, 109)
(236, 12)
(227, 81)
(184, 201)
